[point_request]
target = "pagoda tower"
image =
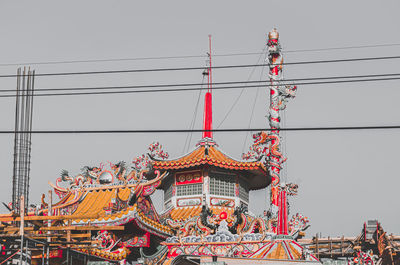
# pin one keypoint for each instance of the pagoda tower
(207, 176)
(206, 193)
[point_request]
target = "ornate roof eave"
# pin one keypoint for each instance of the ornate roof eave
(143, 224)
(197, 158)
(131, 214)
(97, 199)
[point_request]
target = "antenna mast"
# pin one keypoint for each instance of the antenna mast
(207, 122)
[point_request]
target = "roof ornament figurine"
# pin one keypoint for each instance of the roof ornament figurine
(156, 152)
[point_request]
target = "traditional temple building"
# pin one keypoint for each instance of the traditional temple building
(106, 213)
(208, 177)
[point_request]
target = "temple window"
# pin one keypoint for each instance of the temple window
(222, 184)
(243, 190)
(189, 189)
(168, 193)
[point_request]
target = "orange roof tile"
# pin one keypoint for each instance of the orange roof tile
(279, 249)
(95, 201)
(183, 213)
(209, 155)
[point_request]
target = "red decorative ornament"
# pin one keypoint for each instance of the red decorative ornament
(223, 215)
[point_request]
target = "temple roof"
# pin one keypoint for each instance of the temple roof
(89, 204)
(123, 201)
(95, 203)
(109, 206)
(207, 153)
(282, 249)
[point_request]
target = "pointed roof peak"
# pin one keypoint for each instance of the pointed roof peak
(207, 142)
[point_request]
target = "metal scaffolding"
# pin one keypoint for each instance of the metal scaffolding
(22, 137)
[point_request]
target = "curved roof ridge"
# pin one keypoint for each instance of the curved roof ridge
(208, 154)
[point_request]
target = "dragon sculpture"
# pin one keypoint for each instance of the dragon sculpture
(208, 223)
(143, 161)
(238, 219)
(202, 225)
(274, 157)
(279, 93)
(119, 170)
(267, 145)
(278, 98)
(87, 176)
(298, 223)
(106, 239)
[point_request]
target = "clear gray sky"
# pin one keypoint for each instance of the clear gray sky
(345, 177)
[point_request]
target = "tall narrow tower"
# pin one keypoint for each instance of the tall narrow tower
(279, 94)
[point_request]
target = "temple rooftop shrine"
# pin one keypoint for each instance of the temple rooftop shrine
(207, 176)
(208, 153)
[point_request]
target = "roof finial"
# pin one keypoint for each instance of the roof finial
(207, 118)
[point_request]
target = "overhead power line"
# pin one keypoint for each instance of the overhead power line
(107, 60)
(242, 90)
(194, 56)
(336, 128)
(199, 88)
(199, 84)
(202, 67)
(342, 48)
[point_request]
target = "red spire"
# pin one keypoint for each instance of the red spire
(207, 125)
(207, 117)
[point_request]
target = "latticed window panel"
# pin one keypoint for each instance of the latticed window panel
(168, 191)
(189, 189)
(221, 184)
(243, 190)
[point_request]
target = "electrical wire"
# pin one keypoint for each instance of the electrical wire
(200, 84)
(199, 88)
(193, 56)
(105, 60)
(252, 110)
(201, 68)
(240, 94)
(292, 129)
(192, 123)
(343, 48)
